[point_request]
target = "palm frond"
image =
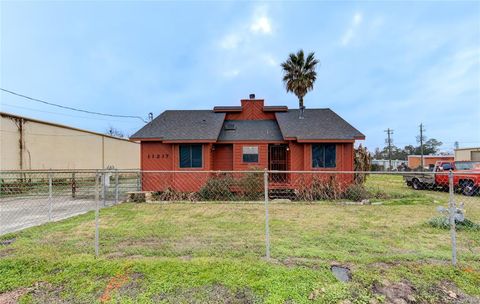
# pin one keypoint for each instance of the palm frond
(299, 73)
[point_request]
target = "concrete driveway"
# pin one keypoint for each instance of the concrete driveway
(17, 213)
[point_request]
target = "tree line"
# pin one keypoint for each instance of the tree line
(431, 146)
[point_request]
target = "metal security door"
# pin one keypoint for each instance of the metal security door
(278, 162)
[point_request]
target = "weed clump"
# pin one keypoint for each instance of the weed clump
(356, 193)
(442, 222)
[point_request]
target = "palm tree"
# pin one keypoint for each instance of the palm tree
(299, 75)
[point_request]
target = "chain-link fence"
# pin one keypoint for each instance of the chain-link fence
(333, 215)
(31, 198)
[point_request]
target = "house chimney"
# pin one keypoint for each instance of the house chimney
(301, 113)
(252, 96)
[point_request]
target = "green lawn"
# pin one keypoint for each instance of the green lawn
(214, 253)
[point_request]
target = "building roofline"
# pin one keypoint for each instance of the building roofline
(5, 114)
(431, 156)
(275, 108)
(470, 148)
(227, 109)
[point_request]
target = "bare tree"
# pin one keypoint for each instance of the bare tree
(112, 131)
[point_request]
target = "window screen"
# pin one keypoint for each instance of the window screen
(324, 155)
(250, 154)
(190, 156)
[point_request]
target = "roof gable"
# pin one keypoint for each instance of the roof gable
(183, 125)
(317, 124)
(262, 130)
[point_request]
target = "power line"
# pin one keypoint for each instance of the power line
(62, 114)
(70, 108)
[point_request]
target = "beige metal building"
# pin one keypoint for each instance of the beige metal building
(31, 144)
(467, 154)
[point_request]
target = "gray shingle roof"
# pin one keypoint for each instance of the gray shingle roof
(183, 125)
(251, 130)
(318, 124)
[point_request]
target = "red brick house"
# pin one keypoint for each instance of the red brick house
(237, 138)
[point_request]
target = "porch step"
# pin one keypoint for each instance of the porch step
(281, 194)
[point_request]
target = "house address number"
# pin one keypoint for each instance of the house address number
(165, 155)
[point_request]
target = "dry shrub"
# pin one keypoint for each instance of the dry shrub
(218, 187)
(251, 185)
(356, 193)
(362, 162)
(321, 188)
(170, 194)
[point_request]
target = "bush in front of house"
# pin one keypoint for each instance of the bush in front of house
(217, 188)
(321, 188)
(251, 186)
(356, 193)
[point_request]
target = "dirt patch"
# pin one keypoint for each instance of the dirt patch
(447, 292)
(7, 242)
(46, 293)
(142, 243)
(13, 296)
(397, 293)
(6, 252)
(115, 255)
(115, 283)
(404, 293)
(292, 262)
(133, 287)
(214, 294)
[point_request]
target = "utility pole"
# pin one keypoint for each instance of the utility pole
(389, 142)
(421, 145)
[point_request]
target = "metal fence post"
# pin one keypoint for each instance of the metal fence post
(267, 230)
(50, 195)
(139, 183)
(96, 186)
(116, 187)
(74, 185)
(97, 215)
(104, 189)
(452, 212)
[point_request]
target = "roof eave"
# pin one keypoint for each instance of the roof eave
(326, 140)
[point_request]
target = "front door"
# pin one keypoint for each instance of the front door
(278, 162)
(223, 157)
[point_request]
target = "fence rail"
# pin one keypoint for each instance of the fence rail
(434, 200)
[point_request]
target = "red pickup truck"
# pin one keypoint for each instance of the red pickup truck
(466, 177)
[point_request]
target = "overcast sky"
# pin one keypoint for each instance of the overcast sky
(383, 65)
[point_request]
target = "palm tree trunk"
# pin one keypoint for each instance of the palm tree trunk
(301, 107)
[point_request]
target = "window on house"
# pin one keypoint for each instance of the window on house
(250, 154)
(324, 155)
(190, 156)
